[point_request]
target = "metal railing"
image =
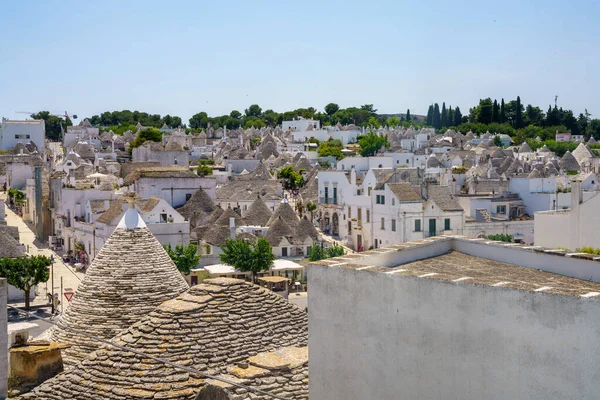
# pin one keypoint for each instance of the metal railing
(328, 200)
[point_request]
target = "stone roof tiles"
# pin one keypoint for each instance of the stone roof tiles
(130, 276)
(258, 213)
(212, 327)
(287, 214)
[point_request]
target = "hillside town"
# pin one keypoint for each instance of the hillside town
(189, 264)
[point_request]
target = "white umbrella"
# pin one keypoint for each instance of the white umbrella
(97, 175)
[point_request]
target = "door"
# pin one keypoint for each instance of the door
(432, 227)
(194, 280)
(334, 195)
(284, 252)
(359, 243)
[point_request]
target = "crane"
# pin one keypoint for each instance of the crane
(65, 116)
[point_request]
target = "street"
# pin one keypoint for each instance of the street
(70, 278)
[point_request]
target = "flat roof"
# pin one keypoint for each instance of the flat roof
(460, 267)
(446, 262)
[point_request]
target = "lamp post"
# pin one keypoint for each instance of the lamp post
(52, 272)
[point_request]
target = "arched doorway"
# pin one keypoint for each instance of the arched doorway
(325, 223)
(335, 225)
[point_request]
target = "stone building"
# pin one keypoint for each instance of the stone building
(225, 327)
(130, 276)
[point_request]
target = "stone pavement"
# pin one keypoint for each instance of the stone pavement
(71, 278)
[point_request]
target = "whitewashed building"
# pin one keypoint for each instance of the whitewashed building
(13, 132)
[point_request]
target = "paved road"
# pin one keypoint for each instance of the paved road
(70, 277)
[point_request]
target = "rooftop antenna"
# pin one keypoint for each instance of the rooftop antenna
(555, 101)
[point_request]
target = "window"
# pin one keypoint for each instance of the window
(383, 223)
(22, 136)
(188, 196)
(334, 195)
(501, 210)
(407, 161)
(417, 225)
(393, 225)
(326, 195)
(393, 201)
(163, 218)
(378, 199)
(382, 199)
(349, 212)
(368, 215)
(447, 224)
(284, 252)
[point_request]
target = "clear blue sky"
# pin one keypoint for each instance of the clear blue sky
(182, 57)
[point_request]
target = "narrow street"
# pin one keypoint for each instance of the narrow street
(70, 278)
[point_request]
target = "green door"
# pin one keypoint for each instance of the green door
(432, 227)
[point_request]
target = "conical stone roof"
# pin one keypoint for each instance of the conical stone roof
(277, 231)
(212, 327)
(568, 162)
(287, 214)
(128, 279)
(306, 229)
(258, 213)
(198, 208)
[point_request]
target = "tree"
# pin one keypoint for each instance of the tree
(316, 252)
(495, 112)
(370, 143)
(533, 116)
(373, 122)
(408, 117)
(152, 134)
(519, 114)
(444, 116)
(331, 109)
(16, 196)
(204, 170)
(25, 272)
(502, 112)
(199, 120)
(311, 207)
(369, 108)
(54, 125)
(429, 119)
(235, 114)
(498, 141)
(450, 118)
(392, 122)
(253, 111)
(436, 117)
(332, 147)
(483, 114)
(335, 251)
(292, 178)
(457, 116)
(184, 257)
(248, 258)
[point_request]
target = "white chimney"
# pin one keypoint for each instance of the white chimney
(232, 228)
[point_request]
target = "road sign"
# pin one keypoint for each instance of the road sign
(69, 295)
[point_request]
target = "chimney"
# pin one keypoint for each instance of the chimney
(279, 190)
(232, 228)
(576, 195)
(106, 204)
(353, 177)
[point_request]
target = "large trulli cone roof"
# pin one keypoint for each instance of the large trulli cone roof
(287, 214)
(212, 327)
(258, 213)
(128, 279)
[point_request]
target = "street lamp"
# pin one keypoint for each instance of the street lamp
(52, 272)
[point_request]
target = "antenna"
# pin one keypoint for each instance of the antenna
(555, 101)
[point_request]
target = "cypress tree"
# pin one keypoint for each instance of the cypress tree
(430, 115)
(457, 116)
(436, 117)
(495, 112)
(519, 114)
(444, 116)
(502, 112)
(450, 117)
(408, 118)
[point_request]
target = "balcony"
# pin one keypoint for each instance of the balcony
(327, 200)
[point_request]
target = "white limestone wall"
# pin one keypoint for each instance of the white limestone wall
(480, 229)
(380, 336)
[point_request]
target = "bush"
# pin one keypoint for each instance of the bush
(589, 250)
(501, 237)
(204, 170)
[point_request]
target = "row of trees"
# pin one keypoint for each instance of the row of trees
(445, 117)
(131, 118)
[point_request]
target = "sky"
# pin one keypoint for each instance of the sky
(183, 57)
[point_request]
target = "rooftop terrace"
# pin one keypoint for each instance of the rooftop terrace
(464, 260)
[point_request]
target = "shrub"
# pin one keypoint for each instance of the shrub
(501, 237)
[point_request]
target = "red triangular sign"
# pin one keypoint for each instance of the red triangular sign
(69, 295)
